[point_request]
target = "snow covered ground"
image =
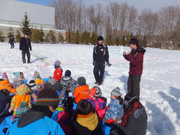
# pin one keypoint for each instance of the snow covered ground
(160, 84)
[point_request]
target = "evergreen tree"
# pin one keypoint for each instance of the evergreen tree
(42, 35)
(109, 40)
(26, 28)
(11, 32)
(72, 38)
(123, 41)
(50, 37)
(1, 36)
(117, 41)
(144, 42)
(85, 38)
(93, 39)
(77, 37)
(61, 38)
(18, 36)
(36, 35)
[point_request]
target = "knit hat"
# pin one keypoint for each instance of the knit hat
(57, 63)
(52, 81)
(81, 81)
(68, 102)
(98, 92)
(48, 86)
(116, 92)
(22, 109)
(4, 76)
(100, 38)
(36, 74)
(57, 86)
(31, 81)
(68, 73)
(40, 86)
(17, 82)
(23, 89)
(47, 97)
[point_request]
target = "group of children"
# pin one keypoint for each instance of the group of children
(87, 117)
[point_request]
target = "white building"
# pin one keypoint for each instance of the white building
(12, 14)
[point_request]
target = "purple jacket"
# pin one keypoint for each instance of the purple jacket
(100, 105)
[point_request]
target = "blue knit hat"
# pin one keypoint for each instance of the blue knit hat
(116, 92)
(68, 73)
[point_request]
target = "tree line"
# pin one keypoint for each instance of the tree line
(119, 22)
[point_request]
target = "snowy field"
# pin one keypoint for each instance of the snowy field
(160, 84)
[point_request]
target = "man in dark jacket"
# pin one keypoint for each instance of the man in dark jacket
(136, 58)
(12, 41)
(25, 46)
(100, 56)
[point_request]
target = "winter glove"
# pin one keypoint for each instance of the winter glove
(110, 121)
(108, 64)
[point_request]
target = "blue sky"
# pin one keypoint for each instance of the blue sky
(154, 5)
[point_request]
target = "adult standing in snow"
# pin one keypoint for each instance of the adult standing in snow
(100, 56)
(25, 46)
(12, 41)
(136, 58)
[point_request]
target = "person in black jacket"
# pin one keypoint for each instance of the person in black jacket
(100, 56)
(25, 46)
(5, 101)
(12, 41)
(86, 120)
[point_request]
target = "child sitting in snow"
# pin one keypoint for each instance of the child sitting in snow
(38, 78)
(58, 71)
(22, 95)
(19, 75)
(65, 117)
(31, 83)
(68, 83)
(81, 92)
(97, 101)
(115, 108)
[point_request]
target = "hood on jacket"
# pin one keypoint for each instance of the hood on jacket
(66, 78)
(29, 117)
(23, 90)
(140, 49)
(90, 121)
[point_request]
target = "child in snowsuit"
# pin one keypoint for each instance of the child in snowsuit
(68, 83)
(97, 101)
(58, 71)
(115, 108)
(38, 78)
(65, 117)
(22, 95)
(81, 92)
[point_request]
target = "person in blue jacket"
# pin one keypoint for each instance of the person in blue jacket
(37, 121)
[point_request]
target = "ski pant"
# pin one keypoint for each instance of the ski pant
(23, 56)
(99, 68)
(134, 85)
(12, 46)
